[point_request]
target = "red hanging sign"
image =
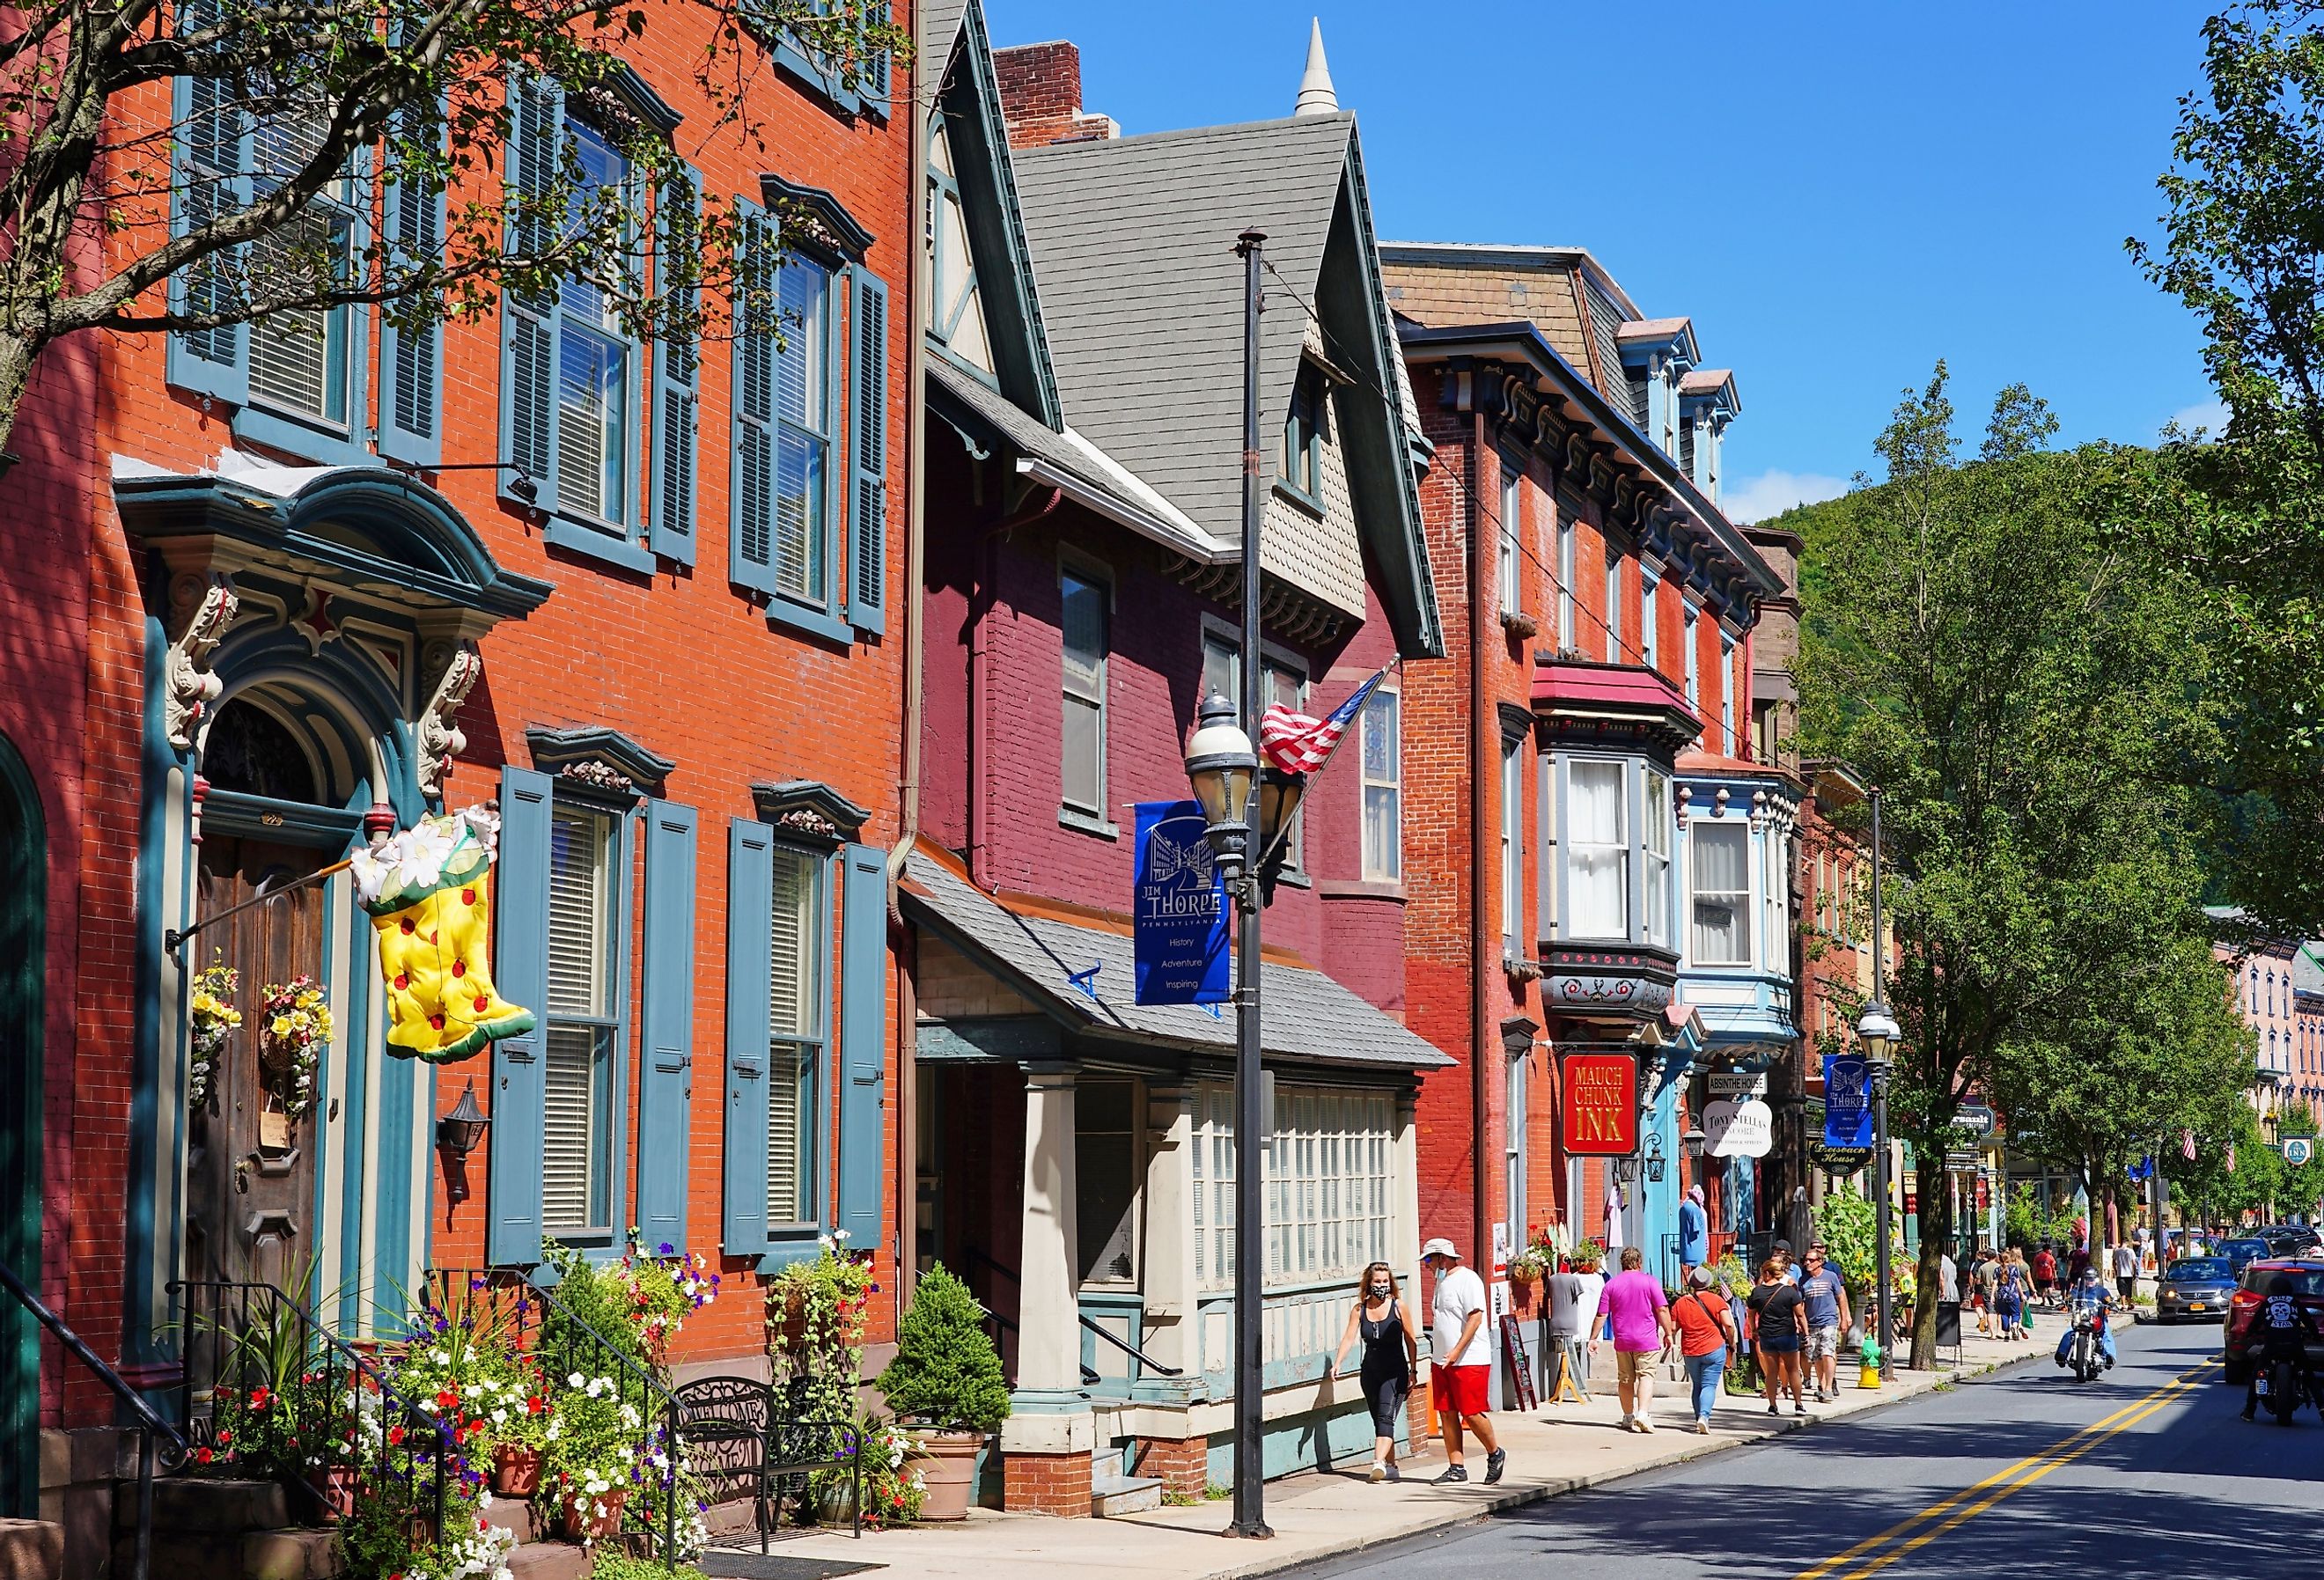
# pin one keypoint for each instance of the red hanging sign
(1601, 1103)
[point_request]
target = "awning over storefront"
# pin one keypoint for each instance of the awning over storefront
(1079, 975)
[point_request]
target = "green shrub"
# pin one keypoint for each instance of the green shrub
(945, 1371)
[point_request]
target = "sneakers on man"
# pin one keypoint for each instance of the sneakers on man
(1645, 1424)
(1630, 1423)
(1702, 1429)
(1379, 1472)
(1454, 1472)
(1495, 1463)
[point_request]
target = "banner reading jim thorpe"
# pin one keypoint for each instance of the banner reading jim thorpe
(1179, 911)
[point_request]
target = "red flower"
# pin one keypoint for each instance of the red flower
(202, 1457)
(534, 1405)
(447, 1399)
(258, 1398)
(226, 1436)
(395, 1436)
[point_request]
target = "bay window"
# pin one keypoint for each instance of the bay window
(1657, 844)
(1597, 809)
(1720, 865)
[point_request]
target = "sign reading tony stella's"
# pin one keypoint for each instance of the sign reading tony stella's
(1601, 1104)
(1179, 909)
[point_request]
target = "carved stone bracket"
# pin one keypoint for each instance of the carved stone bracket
(440, 739)
(203, 608)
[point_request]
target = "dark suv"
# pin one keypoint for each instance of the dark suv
(2307, 1275)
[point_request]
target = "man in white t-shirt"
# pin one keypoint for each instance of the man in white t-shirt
(1462, 1371)
(1574, 1318)
(2125, 1270)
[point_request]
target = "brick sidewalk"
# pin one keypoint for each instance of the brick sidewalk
(1554, 1450)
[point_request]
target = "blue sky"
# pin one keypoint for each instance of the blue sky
(1838, 195)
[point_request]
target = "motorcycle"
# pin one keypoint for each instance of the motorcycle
(2083, 1360)
(2281, 1389)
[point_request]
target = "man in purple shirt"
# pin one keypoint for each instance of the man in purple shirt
(1642, 1330)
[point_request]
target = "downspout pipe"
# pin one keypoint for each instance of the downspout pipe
(1481, 711)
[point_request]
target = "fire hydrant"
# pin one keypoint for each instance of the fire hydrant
(1867, 1360)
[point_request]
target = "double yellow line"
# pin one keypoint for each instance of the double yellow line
(1943, 1515)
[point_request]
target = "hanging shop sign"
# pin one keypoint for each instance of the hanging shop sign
(1600, 1105)
(1976, 1119)
(2298, 1150)
(1846, 1101)
(1178, 927)
(428, 893)
(1739, 1083)
(1738, 1130)
(1840, 1161)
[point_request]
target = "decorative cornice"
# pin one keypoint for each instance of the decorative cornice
(1285, 611)
(815, 219)
(457, 667)
(599, 758)
(809, 810)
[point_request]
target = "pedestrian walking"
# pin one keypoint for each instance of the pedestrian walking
(1826, 1295)
(2045, 1272)
(1779, 1325)
(1782, 1252)
(1693, 1232)
(1981, 1280)
(1461, 1367)
(1384, 1324)
(2009, 1297)
(1574, 1319)
(2126, 1272)
(1705, 1334)
(1640, 1318)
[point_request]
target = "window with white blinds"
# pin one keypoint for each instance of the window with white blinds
(795, 1035)
(594, 365)
(298, 359)
(803, 417)
(577, 1167)
(1328, 1188)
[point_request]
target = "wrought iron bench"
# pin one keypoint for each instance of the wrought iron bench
(755, 1439)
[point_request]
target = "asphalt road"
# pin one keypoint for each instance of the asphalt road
(2148, 1471)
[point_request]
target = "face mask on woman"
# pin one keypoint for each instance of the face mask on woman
(1380, 1290)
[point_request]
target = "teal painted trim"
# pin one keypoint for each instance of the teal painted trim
(1314, 1441)
(595, 544)
(1002, 1040)
(293, 822)
(391, 1191)
(24, 960)
(1047, 1401)
(789, 1246)
(1097, 1354)
(147, 1230)
(356, 1109)
(324, 443)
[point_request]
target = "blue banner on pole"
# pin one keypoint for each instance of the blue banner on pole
(1179, 908)
(1846, 1101)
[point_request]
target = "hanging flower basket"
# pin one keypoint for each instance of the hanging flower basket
(211, 1021)
(294, 1024)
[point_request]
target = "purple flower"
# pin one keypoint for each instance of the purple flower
(665, 1248)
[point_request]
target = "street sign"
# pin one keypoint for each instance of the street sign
(1959, 1162)
(1847, 1101)
(1976, 1119)
(1600, 1108)
(2298, 1150)
(1738, 1130)
(1841, 1160)
(1739, 1083)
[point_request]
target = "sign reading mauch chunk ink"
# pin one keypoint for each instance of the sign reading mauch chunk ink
(1601, 1104)
(1179, 908)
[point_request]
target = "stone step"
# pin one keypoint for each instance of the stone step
(31, 1549)
(212, 1505)
(1114, 1495)
(549, 1560)
(291, 1554)
(516, 1514)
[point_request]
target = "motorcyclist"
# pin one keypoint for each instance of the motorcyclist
(2280, 1332)
(2089, 1293)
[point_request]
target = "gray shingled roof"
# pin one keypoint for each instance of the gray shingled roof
(1308, 1015)
(938, 31)
(1133, 252)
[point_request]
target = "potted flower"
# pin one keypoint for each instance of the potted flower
(946, 1376)
(894, 1491)
(518, 1419)
(590, 1447)
(661, 1293)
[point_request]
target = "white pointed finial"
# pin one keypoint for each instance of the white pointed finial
(1316, 96)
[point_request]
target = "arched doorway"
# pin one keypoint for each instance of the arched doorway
(23, 911)
(287, 1167)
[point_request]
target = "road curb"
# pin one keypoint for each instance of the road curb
(1501, 1503)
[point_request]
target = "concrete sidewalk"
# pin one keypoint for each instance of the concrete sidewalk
(1554, 1450)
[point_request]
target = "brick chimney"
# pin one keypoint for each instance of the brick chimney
(1041, 95)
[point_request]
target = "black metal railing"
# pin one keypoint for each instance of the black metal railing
(159, 1445)
(1126, 1348)
(563, 1343)
(972, 1258)
(266, 1384)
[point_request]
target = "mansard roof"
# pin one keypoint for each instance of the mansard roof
(1133, 245)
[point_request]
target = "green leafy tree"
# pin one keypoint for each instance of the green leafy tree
(145, 145)
(945, 1371)
(1975, 646)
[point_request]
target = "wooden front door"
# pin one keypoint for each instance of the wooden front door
(250, 1164)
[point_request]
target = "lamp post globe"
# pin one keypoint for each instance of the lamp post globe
(1879, 1032)
(1222, 768)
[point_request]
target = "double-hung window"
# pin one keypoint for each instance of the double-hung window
(802, 414)
(1720, 858)
(1613, 607)
(1727, 739)
(1649, 626)
(1690, 653)
(1279, 682)
(1508, 539)
(1775, 900)
(578, 1185)
(796, 1034)
(1598, 830)
(1565, 572)
(1513, 807)
(1086, 616)
(302, 359)
(1381, 729)
(1299, 468)
(1657, 845)
(596, 366)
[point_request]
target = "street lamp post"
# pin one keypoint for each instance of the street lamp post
(1877, 1030)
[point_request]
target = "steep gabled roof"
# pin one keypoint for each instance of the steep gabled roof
(1133, 246)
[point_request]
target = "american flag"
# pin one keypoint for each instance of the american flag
(2187, 1145)
(1299, 743)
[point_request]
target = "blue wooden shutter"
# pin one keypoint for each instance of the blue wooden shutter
(520, 969)
(412, 363)
(876, 89)
(868, 442)
(751, 538)
(863, 1045)
(666, 1081)
(750, 905)
(528, 322)
(677, 385)
(211, 178)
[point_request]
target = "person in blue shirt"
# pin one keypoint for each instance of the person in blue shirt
(2089, 1293)
(1693, 1232)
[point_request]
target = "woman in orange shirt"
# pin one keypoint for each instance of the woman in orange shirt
(1705, 1331)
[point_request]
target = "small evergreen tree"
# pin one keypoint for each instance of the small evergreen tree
(945, 1371)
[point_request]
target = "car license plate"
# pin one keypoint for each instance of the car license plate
(2261, 1381)
(2194, 1305)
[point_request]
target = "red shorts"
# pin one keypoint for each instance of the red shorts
(1460, 1390)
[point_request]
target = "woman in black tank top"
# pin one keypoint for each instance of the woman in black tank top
(1384, 1324)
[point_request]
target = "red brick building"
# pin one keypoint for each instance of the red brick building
(263, 602)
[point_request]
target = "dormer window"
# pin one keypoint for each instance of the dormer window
(955, 311)
(1299, 468)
